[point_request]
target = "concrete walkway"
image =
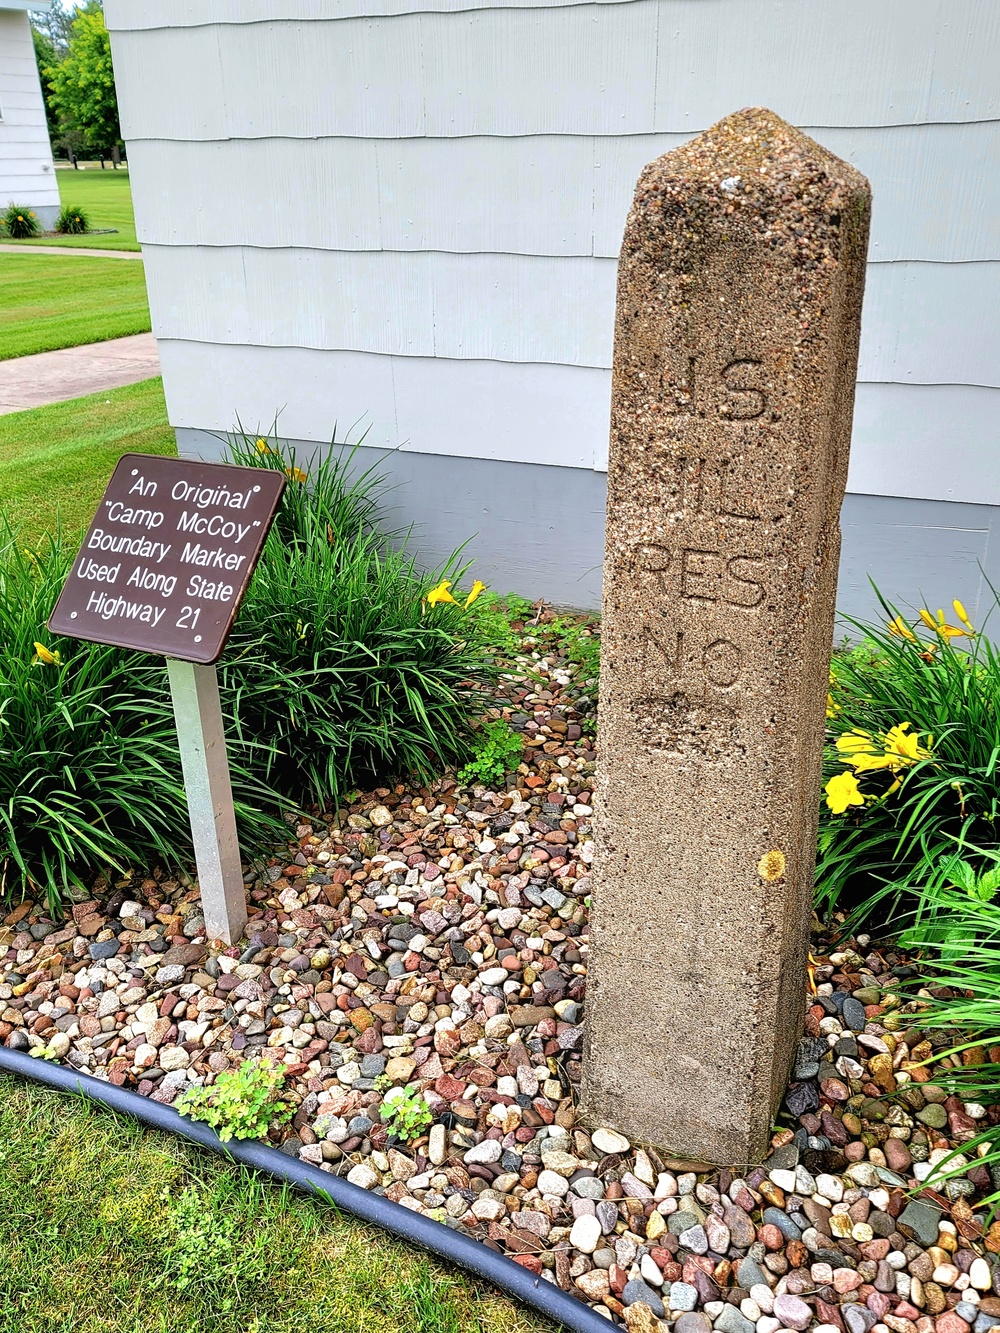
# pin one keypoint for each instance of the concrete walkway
(69, 250)
(53, 377)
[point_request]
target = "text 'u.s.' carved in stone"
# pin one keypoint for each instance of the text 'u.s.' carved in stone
(734, 393)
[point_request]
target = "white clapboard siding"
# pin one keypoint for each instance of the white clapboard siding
(546, 194)
(26, 174)
(935, 441)
(923, 323)
(556, 415)
(651, 65)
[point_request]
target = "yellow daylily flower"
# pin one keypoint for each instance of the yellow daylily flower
(841, 791)
(960, 612)
(263, 447)
(477, 588)
(43, 657)
(906, 748)
(900, 627)
(441, 594)
(855, 742)
(870, 763)
(832, 707)
(939, 626)
(296, 474)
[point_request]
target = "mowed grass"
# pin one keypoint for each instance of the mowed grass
(55, 461)
(106, 197)
(108, 1228)
(48, 301)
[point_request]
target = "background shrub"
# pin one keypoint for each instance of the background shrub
(944, 682)
(341, 664)
(90, 777)
(72, 221)
(19, 222)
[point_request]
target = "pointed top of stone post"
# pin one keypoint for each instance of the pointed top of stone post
(755, 166)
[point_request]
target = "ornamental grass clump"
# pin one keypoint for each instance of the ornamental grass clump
(348, 663)
(913, 756)
(90, 776)
(19, 222)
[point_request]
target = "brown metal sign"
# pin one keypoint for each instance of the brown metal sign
(168, 556)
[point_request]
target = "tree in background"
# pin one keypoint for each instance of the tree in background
(83, 86)
(50, 29)
(46, 58)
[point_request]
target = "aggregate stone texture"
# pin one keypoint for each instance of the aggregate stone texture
(736, 340)
(373, 944)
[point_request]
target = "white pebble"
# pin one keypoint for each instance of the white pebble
(762, 1294)
(363, 1175)
(831, 1187)
(785, 1180)
(585, 1235)
(551, 1183)
(607, 1141)
(666, 1186)
(647, 1267)
(979, 1275)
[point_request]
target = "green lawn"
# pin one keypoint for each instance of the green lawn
(107, 1228)
(55, 461)
(106, 196)
(49, 301)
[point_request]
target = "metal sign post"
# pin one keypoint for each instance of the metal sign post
(162, 569)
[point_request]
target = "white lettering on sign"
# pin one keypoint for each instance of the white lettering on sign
(196, 554)
(209, 592)
(142, 487)
(111, 608)
(91, 571)
(143, 518)
(99, 540)
(216, 526)
(149, 581)
(204, 497)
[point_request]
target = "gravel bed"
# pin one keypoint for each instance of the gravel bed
(436, 938)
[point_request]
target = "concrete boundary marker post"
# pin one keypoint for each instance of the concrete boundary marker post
(736, 344)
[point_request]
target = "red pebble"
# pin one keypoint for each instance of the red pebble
(907, 1311)
(449, 1087)
(617, 1277)
(950, 1322)
(876, 1249)
(529, 1261)
(770, 1236)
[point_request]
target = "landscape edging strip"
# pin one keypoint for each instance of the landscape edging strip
(414, 1227)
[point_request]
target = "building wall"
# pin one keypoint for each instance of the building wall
(26, 172)
(407, 216)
